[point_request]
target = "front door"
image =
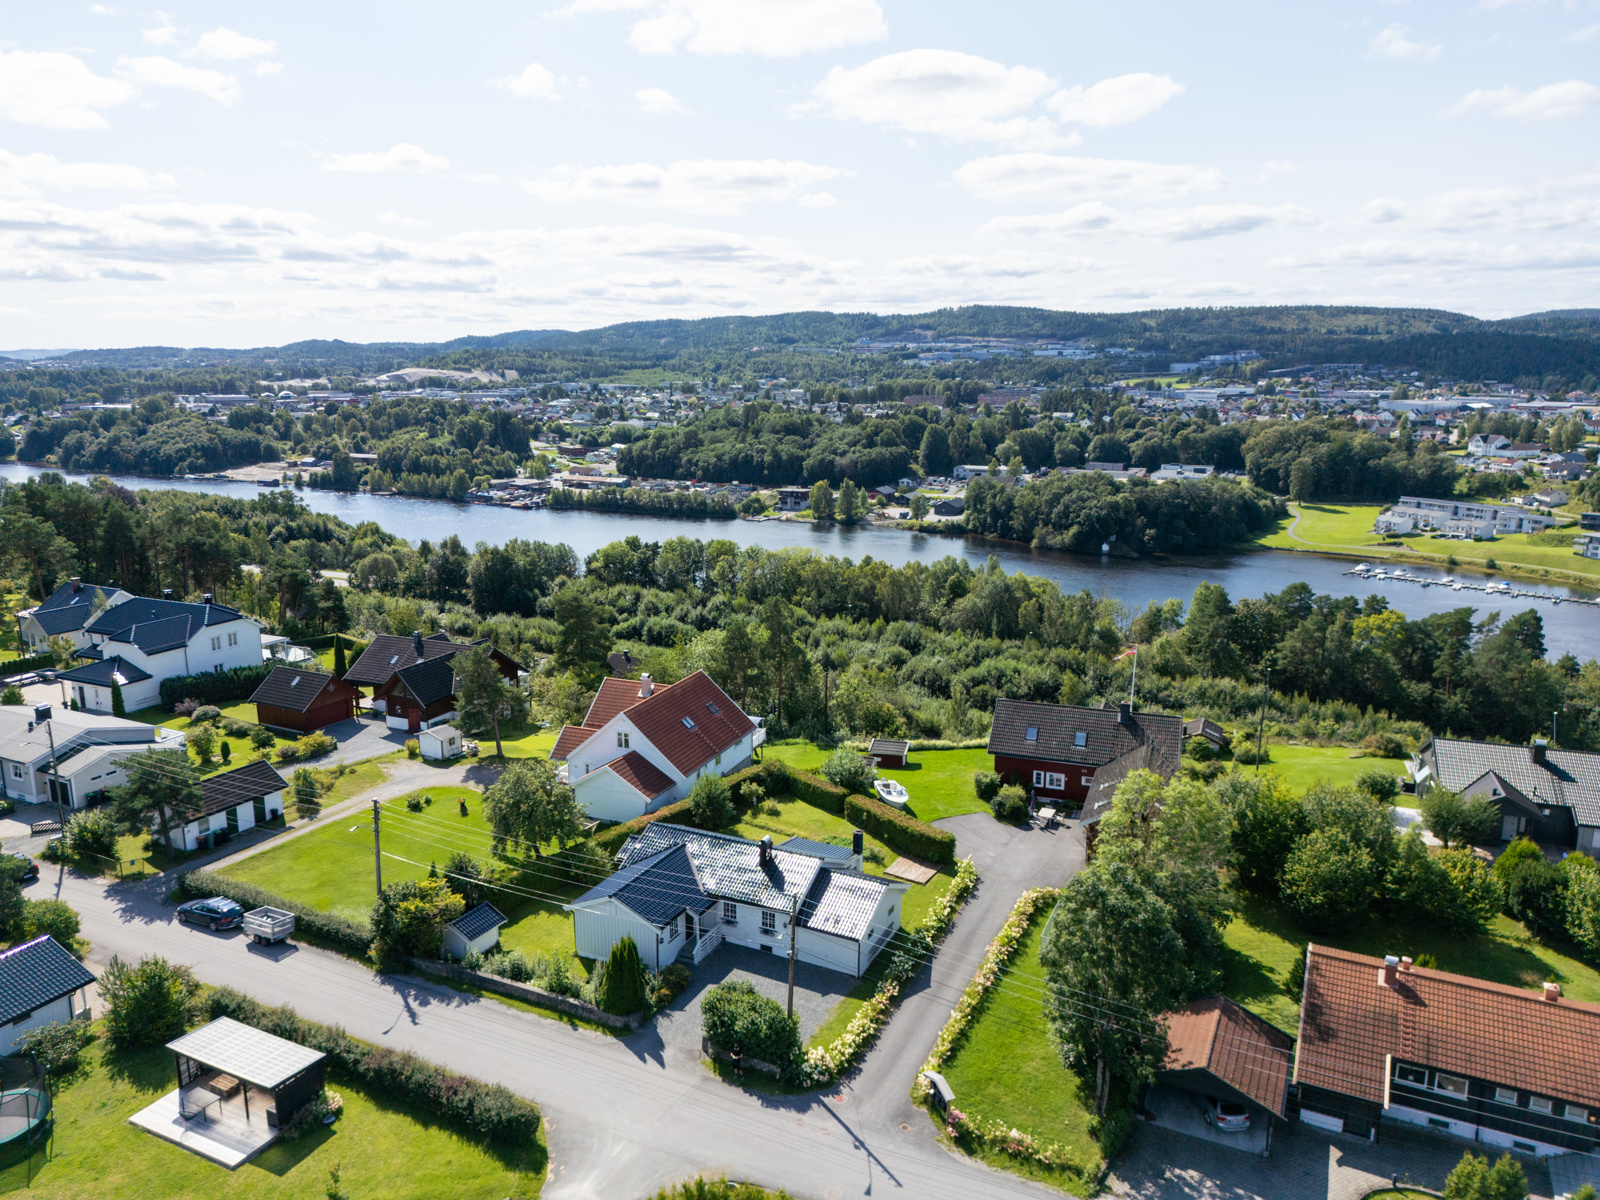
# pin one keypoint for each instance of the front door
(688, 927)
(261, 810)
(413, 719)
(233, 820)
(83, 703)
(1508, 828)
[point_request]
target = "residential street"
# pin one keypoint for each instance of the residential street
(627, 1116)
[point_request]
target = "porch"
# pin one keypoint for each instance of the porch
(214, 1127)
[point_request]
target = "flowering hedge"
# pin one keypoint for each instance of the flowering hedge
(824, 1064)
(965, 1129)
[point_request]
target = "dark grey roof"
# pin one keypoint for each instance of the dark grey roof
(80, 595)
(430, 680)
(250, 1054)
(842, 903)
(729, 867)
(67, 619)
(157, 625)
(99, 672)
(889, 746)
(1106, 739)
(296, 689)
(387, 653)
(1570, 778)
(476, 922)
(657, 886)
(158, 636)
(826, 851)
(1103, 786)
(239, 786)
(36, 973)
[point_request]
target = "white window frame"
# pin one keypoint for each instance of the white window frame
(1400, 1071)
(1541, 1104)
(769, 921)
(1086, 781)
(233, 639)
(1439, 1084)
(1576, 1112)
(622, 740)
(1080, 739)
(216, 643)
(1055, 783)
(1038, 779)
(1505, 1095)
(730, 913)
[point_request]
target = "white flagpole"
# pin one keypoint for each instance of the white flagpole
(1134, 678)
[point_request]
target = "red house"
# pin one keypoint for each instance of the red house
(411, 683)
(1065, 754)
(303, 700)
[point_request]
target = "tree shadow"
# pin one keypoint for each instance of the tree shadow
(143, 1068)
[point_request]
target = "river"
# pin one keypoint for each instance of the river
(1568, 627)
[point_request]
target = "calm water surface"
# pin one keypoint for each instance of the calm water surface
(1568, 627)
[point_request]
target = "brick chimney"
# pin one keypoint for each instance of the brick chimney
(1388, 974)
(1536, 751)
(646, 685)
(416, 641)
(1552, 992)
(77, 583)
(1124, 713)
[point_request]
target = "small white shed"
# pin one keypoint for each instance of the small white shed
(440, 743)
(477, 929)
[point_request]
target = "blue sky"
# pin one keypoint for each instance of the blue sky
(232, 174)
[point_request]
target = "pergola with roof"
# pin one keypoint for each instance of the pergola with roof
(227, 1057)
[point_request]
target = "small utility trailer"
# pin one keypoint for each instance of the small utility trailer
(267, 924)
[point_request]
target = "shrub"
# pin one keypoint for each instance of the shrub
(57, 1045)
(149, 1003)
(986, 784)
(674, 978)
(1200, 749)
(327, 929)
(1474, 1179)
(202, 740)
(753, 796)
(1475, 895)
(289, 752)
(851, 771)
(1328, 879)
(261, 738)
(303, 786)
(1456, 819)
(413, 748)
(234, 727)
(900, 831)
(737, 1019)
(212, 687)
(1383, 786)
(53, 917)
(92, 833)
(622, 989)
(1536, 895)
(1384, 745)
(1245, 753)
(711, 803)
(206, 714)
(414, 804)
(1010, 804)
(409, 918)
(315, 745)
(226, 751)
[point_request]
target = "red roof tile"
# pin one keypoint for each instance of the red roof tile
(570, 738)
(614, 696)
(717, 722)
(1217, 1036)
(1504, 1035)
(639, 773)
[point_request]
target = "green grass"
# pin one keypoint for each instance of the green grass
(939, 781)
(243, 751)
(384, 1150)
(1262, 943)
(1303, 766)
(1007, 1068)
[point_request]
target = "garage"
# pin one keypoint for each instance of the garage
(302, 701)
(1225, 1078)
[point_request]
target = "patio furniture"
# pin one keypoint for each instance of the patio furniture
(1047, 817)
(199, 1113)
(223, 1085)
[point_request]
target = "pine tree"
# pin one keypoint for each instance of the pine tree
(339, 667)
(622, 989)
(118, 708)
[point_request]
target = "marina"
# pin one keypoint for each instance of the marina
(1491, 588)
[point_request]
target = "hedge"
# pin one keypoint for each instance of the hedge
(481, 1109)
(900, 832)
(609, 841)
(335, 932)
(213, 687)
(737, 1019)
(777, 776)
(34, 662)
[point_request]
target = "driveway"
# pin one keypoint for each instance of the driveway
(816, 991)
(363, 737)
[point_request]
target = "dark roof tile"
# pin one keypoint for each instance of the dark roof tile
(476, 922)
(239, 786)
(35, 974)
(298, 690)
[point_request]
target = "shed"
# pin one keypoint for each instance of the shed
(1210, 730)
(1216, 1048)
(230, 802)
(889, 753)
(39, 983)
(476, 929)
(439, 743)
(301, 700)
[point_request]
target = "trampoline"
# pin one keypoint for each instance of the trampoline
(24, 1098)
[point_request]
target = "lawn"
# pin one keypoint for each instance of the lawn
(1303, 766)
(1262, 943)
(384, 1150)
(243, 751)
(939, 781)
(1007, 1068)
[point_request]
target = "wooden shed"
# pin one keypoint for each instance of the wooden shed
(889, 754)
(301, 700)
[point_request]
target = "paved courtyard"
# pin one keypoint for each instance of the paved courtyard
(816, 991)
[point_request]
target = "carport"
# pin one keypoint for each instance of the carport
(1215, 1048)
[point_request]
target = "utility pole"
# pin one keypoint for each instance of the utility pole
(55, 778)
(377, 849)
(794, 925)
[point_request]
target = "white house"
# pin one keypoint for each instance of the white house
(1488, 443)
(439, 743)
(39, 983)
(643, 744)
(1395, 522)
(476, 929)
(87, 749)
(231, 802)
(65, 613)
(680, 893)
(138, 643)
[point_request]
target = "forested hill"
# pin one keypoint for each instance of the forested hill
(319, 357)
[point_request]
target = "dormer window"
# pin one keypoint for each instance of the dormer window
(1080, 739)
(688, 722)
(1031, 734)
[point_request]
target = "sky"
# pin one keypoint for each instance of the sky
(246, 174)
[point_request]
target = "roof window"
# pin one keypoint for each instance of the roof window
(712, 708)
(394, 660)
(295, 682)
(1080, 739)
(1031, 734)
(688, 722)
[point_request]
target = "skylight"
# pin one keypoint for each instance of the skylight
(295, 682)
(713, 709)
(1032, 733)
(1080, 738)
(394, 660)
(688, 722)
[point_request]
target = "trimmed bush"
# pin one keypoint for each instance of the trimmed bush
(1245, 754)
(814, 789)
(986, 784)
(34, 662)
(899, 831)
(479, 1109)
(326, 929)
(206, 714)
(737, 1019)
(213, 687)
(609, 841)
(622, 989)
(1010, 804)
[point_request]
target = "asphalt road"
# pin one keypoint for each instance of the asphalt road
(625, 1117)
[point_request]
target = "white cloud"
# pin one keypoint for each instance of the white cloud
(158, 71)
(1023, 177)
(720, 186)
(1552, 101)
(269, 67)
(1169, 225)
(163, 34)
(533, 83)
(402, 156)
(658, 101)
(55, 90)
(1269, 169)
(1115, 101)
(1587, 34)
(26, 174)
(818, 200)
(772, 28)
(958, 96)
(1553, 206)
(401, 222)
(102, 10)
(226, 44)
(1392, 42)
(1375, 252)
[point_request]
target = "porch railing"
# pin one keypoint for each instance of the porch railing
(708, 942)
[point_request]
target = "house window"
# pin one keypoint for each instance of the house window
(16, 771)
(1031, 734)
(1080, 739)
(1086, 780)
(1505, 1095)
(769, 922)
(622, 741)
(1055, 782)
(1454, 1084)
(730, 913)
(1038, 779)
(1576, 1112)
(688, 722)
(672, 930)
(233, 639)
(1540, 1104)
(1413, 1075)
(719, 760)
(712, 708)
(216, 643)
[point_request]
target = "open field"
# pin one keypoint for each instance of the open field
(384, 1150)
(939, 781)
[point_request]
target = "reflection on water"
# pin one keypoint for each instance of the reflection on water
(1571, 628)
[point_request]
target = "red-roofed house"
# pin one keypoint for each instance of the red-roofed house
(643, 744)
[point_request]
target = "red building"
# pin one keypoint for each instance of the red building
(290, 698)
(412, 681)
(1065, 754)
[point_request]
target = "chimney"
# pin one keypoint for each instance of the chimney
(1552, 992)
(41, 713)
(209, 598)
(764, 851)
(1536, 751)
(77, 583)
(1124, 713)
(1405, 962)
(416, 641)
(646, 685)
(1388, 974)
(166, 593)
(858, 843)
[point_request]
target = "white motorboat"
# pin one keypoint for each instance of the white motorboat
(891, 793)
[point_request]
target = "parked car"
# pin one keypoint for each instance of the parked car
(22, 869)
(1229, 1116)
(218, 912)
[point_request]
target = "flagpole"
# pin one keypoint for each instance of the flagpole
(1134, 678)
